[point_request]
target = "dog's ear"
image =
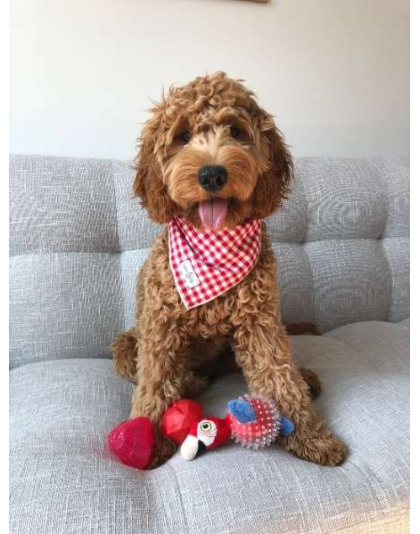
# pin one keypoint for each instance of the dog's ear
(273, 185)
(148, 184)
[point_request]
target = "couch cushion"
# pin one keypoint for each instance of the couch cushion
(78, 240)
(63, 480)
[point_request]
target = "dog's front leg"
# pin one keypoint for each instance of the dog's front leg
(262, 351)
(161, 362)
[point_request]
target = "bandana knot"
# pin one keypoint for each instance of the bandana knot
(207, 264)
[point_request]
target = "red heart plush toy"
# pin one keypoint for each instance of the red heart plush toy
(132, 441)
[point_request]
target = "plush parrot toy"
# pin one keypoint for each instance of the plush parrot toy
(253, 422)
(205, 434)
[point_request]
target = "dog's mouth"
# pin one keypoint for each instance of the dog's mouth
(213, 212)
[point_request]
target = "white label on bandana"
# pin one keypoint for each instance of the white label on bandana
(188, 274)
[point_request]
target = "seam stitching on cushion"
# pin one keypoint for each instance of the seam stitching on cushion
(112, 172)
(303, 243)
(120, 276)
(313, 286)
(180, 497)
(388, 204)
(381, 238)
(347, 342)
(391, 276)
(46, 252)
(13, 370)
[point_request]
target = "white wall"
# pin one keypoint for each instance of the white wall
(334, 72)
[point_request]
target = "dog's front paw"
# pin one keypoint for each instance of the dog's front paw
(324, 449)
(163, 449)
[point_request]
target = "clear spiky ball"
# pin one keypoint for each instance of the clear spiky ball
(260, 432)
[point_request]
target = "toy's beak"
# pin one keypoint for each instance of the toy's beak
(192, 447)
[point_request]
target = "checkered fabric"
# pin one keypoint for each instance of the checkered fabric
(206, 264)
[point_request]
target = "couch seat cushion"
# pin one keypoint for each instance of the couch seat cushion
(63, 479)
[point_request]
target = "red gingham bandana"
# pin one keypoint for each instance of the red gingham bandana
(206, 264)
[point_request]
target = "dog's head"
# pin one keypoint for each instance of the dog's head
(211, 154)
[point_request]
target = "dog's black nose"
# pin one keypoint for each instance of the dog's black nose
(212, 177)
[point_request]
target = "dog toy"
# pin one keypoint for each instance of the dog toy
(179, 417)
(256, 422)
(132, 441)
(253, 422)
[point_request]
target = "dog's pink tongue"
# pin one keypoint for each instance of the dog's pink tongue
(213, 212)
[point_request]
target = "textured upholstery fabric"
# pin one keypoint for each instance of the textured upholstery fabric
(63, 480)
(77, 241)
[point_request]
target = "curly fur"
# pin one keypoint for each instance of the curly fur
(172, 352)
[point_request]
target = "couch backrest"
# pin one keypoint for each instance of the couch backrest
(78, 239)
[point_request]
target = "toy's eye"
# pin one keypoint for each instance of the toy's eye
(185, 137)
(235, 132)
(206, 426)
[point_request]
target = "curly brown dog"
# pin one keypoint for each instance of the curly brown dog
(171, 351)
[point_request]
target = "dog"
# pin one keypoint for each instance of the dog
(212, 160)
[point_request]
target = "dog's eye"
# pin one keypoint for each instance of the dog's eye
(235, 132)
(185, 137)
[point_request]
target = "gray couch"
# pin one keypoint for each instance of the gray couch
(77, 241)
